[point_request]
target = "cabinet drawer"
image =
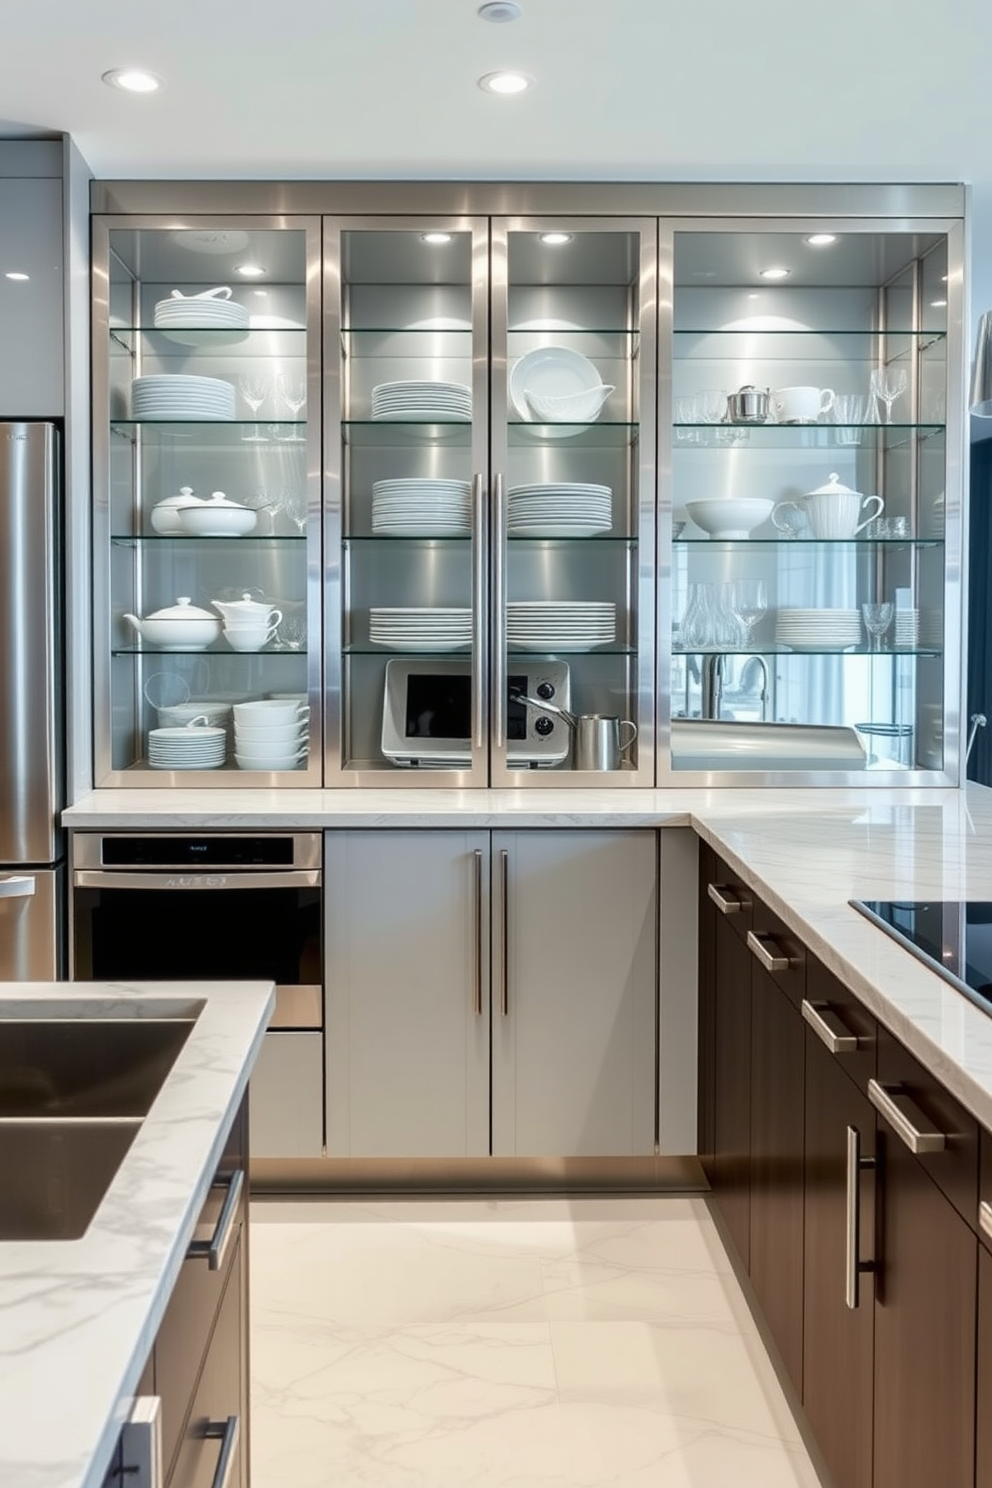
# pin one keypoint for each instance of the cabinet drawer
(954, 1169)
(731, 895)
(835, 1011)
(772, 942)
(215, 1431)
(196, 1297)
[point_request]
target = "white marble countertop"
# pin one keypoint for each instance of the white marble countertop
(77, 1318)
(806, 851)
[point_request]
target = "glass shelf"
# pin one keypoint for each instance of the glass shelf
(226, 654)
(891, 333)
(561, 332)
(534, 538)
(800, 436)
(802, 543)
(855, 652)
(377, 433)
(256, 340)
(130, 540)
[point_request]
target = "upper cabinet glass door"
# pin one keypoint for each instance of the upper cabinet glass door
(573, 432)
(406, 388)
(814, 502)
(206, 501)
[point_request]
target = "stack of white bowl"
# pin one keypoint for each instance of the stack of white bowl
(271, 734)
(196, 745)
(182, 318)
(179, 396)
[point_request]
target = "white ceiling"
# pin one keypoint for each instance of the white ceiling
(852, 90)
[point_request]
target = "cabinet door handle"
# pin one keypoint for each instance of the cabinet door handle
(853, 1266)
(227, 1433)
(919, 1138)
(215, 1248)
(504, 882)
(480, 610)
(477, 878)
(728, 906)
(985, 1218)
(499, 615)
(767, 958)
(141, 1443)
(828, 1027)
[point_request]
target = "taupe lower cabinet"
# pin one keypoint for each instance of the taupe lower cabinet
(861, 1192)
(491, 993)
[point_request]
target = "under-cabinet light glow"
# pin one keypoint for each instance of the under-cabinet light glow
(250, 271)
(775, 273)
(435, 237)
(555, 239)
(820, 240)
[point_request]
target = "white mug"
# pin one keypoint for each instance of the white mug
(248, 637)
(832, 515)
(269, 711)
(801, 405)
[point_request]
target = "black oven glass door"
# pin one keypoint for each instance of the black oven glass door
(150, 933)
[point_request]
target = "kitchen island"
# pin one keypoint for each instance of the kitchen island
(78, 1317)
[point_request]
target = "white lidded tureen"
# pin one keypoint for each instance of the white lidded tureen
(165, 514)
(217, 517)
(179, 627)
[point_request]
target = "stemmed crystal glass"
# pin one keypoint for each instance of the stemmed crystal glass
(877, 618)
(294, 504)
(889, 383)
(292, 390)
(254, 387)
(748, 602)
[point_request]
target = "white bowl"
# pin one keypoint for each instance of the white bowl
(211, 519)
(735, 516)
(248, 637)
(269, 711)
(569, 408)
(280, 734)
(268, 761)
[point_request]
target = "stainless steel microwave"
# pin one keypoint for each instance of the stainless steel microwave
(426, 713)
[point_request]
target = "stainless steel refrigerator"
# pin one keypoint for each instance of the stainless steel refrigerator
(32, 721)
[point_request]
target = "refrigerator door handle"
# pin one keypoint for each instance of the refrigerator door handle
(19, 887)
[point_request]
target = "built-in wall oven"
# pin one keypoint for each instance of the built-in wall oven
(175, 906)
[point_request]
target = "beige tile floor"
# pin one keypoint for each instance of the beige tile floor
(533, 1343)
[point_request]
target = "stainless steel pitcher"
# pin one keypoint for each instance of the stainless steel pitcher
(596, 737)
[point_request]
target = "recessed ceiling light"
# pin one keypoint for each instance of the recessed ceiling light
(500, 10)
(435, 237)
(506, 82)
(132, 80)
(14, 274)
(555, 239)
(820, 240)
(775, 273)
(934, 304)
(250, 271)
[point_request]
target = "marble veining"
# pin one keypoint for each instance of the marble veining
(443, 1382)
(77, 1318)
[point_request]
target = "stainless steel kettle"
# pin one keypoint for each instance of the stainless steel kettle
(749, 405)
(596, 737)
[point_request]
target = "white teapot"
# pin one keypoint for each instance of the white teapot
(832, 511)
(246, 611)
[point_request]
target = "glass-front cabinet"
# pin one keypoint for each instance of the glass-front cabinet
(489, 402)
(527, 486)
(808, 467)
(207, 501)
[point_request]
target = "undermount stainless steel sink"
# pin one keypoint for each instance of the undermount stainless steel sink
(73, 1094)
(727, 744)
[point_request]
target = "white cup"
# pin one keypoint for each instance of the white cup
(284, 761)
(278, 734)
(832, 515)
(248, 637)
(801, 405)
(269, 711)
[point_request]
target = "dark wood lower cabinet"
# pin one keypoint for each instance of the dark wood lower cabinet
(983, 1440)
(925, 1304)
(838, 1344)
(730, 1178)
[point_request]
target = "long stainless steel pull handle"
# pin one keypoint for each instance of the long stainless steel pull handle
(985, 1218)
(227, 1433)
(477, 879)
(504, 879)
(824, 1023)
(768, 960)
(480, 612)
(141, 1443)
(853, 1265)
(917, 1137)
(19, 887)
(215, 1248)
(293, 878)
(719, 894)
(499, 615)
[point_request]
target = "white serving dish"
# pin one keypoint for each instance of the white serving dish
(730, 517)
(217, 517)
(178, 627)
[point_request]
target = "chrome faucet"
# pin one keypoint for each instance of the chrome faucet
(711, 684)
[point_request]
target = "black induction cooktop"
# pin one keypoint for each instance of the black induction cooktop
(950, 936)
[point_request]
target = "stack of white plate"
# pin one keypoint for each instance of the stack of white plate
(422, 508)
(557, 625)
(818, 630)
(440, 401)
(412, 629)
(182, 317)
(178, 396)
(907, 628)
(559, 509)
(195, 746)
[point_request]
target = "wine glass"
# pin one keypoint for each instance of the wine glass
(748, 602)
(877, 618)
(292, 390)
(254, 387)
(888, 383)
(294, 504)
